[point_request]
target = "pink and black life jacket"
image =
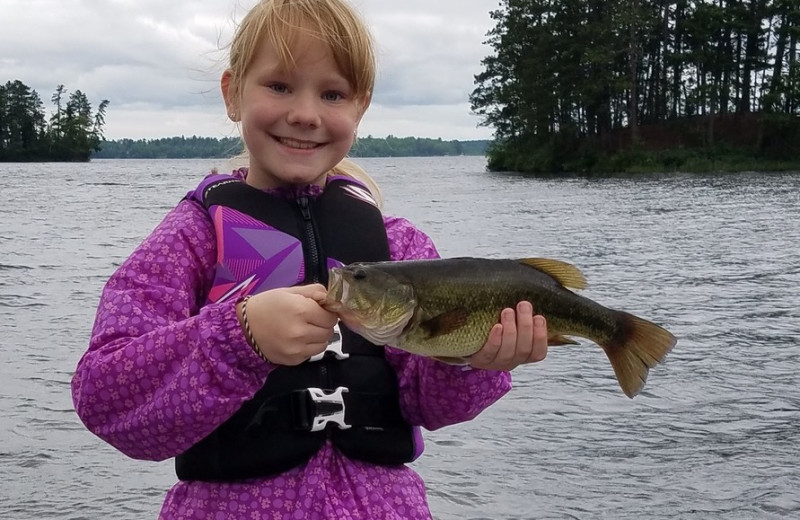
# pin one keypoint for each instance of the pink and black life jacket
(349, 395)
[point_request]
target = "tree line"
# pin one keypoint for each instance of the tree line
(72, 132)
(570, 83)
(208, 147)
(392, 146)
(180, 147)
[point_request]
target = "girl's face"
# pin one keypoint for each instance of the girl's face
(296, 124)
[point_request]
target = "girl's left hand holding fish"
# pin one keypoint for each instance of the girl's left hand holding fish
(519, 338)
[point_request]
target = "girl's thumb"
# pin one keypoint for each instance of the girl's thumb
(315, 291)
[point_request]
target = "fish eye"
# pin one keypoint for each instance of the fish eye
(359, 274)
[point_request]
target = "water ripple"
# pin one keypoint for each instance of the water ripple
(713, 435)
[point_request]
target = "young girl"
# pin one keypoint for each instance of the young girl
(209, 343)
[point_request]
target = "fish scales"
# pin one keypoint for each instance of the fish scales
(483, 289)
(445, 309)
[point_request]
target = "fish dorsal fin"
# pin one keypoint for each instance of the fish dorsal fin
(566, 274)
(445, 323)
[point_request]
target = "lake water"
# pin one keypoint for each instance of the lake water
(714, 435)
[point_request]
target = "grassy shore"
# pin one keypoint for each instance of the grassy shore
(632, 161)
(693, 161)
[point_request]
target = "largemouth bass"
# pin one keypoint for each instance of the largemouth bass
(445, 308)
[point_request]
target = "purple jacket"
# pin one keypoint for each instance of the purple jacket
(162, 372)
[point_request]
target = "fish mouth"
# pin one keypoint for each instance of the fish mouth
(367, 321)
(333, 300)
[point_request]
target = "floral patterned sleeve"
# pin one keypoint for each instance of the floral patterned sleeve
(161, 372)
(435, 394)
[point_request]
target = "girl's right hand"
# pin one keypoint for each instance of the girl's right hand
(288, 324)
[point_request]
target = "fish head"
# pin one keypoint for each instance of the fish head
(370, 302)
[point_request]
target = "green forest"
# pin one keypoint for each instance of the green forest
(72, 132)
(207, 147)
(624, 85)
(574, 86)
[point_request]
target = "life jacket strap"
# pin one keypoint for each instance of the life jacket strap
(315, 409)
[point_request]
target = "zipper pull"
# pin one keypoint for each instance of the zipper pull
(303, 203)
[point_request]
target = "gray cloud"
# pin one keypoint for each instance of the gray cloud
(159, 62)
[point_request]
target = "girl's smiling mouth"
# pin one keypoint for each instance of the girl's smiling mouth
(297, 144)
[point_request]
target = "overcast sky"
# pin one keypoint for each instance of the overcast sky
(158, 61)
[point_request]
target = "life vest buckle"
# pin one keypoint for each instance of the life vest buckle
(315, 409)
(334, 347)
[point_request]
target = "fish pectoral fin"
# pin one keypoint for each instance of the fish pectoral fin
(566, 274)
(445, 322)
(558, 339)
(452, 360)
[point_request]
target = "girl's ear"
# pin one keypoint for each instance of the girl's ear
(363, 105)
(231, 95)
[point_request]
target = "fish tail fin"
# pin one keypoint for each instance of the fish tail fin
(638, 346)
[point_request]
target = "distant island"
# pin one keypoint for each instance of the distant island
(195, 147)
(71, 133)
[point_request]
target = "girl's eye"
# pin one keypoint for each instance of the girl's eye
(332, 96)
(278, 87)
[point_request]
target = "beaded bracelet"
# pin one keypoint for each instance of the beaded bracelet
(250, 339)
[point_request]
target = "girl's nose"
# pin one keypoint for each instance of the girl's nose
(303, 111)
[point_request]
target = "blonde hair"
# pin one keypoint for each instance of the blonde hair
(334, 22)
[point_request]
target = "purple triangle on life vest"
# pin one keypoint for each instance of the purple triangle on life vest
(224, 275)
(275, 257)
(224, 220)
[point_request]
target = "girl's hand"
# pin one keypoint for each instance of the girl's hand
(519, 338)
(288, 324)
